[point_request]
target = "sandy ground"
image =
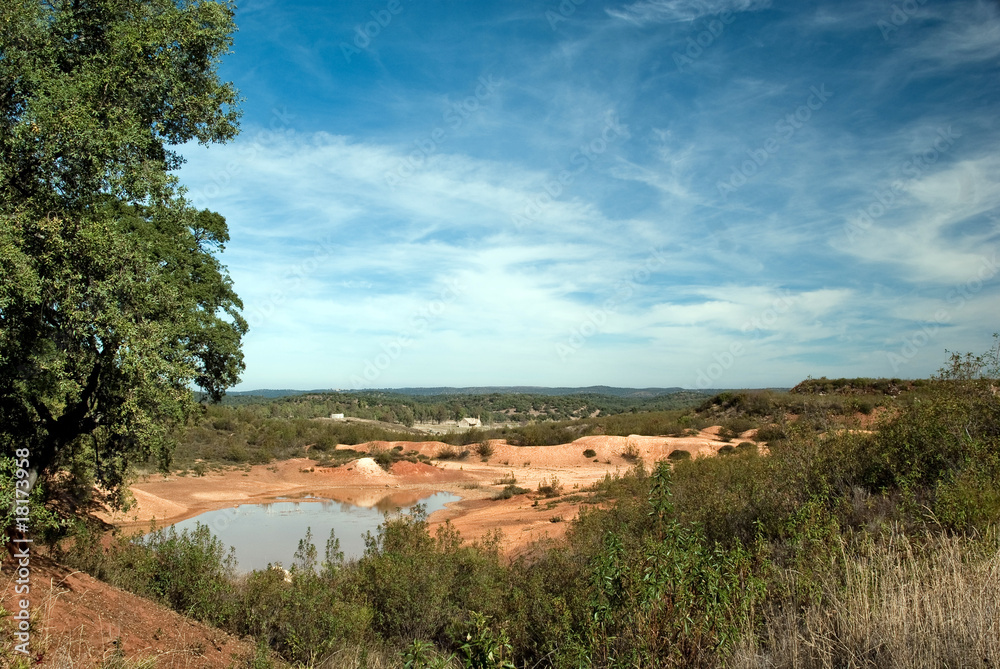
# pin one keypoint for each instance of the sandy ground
(166, 500)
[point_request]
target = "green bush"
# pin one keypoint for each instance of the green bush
(679, 455)
(590, 453)
(734, 427)
(770, 433)
(384, 458)
(451, 453)
(509, 491)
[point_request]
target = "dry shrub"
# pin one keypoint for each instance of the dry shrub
(548, 488)
(631, 452)
(895, 605)
(451, 453)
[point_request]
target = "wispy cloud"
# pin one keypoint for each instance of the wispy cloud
(359, 192)
(677, 11)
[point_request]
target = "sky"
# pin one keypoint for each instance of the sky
(694, 193)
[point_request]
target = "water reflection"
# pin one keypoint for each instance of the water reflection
(269, 532)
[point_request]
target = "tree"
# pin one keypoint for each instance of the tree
(113, 302)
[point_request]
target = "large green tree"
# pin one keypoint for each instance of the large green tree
(113, 303)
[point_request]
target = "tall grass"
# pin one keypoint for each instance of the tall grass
(901, 602)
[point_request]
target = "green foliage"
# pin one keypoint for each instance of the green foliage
(510, 490)
(671, 599)
(385, 459)
(590, 453)
(114, 302)
(42, 520)
(423, 655)
(486, 648)
(771, 433)
(734, 427)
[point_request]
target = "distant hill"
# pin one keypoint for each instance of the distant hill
(267, 392)
(608, 391)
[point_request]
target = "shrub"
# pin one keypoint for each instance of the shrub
(630, 453)
(727, 450)
(506, 479)
(550, 488)
(509, 491)
(384, 459)
(734, 427)
(771, 433)
(484, 448)
(589, 453)
(447, 453)
(679, 455)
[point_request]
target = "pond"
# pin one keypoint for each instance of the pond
(269, 533)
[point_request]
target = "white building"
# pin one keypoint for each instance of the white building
(470, 422)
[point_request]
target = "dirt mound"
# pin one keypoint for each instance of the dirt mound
(417, 472)
(428, 448)
(368, 468)
(78, 621)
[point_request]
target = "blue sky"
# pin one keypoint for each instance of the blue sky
(697, 193)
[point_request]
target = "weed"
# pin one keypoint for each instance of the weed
(550, 488)
(506, 479)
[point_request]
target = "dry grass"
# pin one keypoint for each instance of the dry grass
(896, 605)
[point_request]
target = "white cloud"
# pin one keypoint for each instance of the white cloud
(676, 11)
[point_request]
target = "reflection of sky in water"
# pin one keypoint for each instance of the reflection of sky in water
(270, 533)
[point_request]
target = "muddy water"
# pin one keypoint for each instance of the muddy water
(269, 533)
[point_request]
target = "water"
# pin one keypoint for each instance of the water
(269, 533)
